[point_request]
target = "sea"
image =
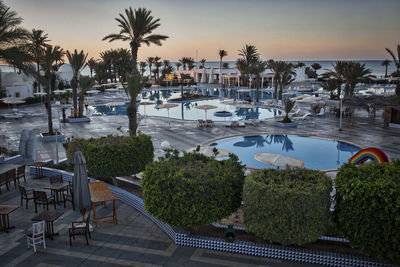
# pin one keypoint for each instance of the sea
(374, 65)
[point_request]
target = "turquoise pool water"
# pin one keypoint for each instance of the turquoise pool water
(188, 110)
(316, 153)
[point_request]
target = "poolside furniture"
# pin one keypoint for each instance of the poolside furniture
(57, 189)
(39, 168)
(80, 228)
(20, 173)
(304, 117)
(5, 211)
(99, 194)
(26, 194)
(201, 123)
(41, 198)
(11, 177)
(241, 124)
(3, 181)
(49, 217)
(37, 236)
(321, 113)
(209, 123)
(56, 179)
(69, 196)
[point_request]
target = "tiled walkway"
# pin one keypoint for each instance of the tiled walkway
(134, 241)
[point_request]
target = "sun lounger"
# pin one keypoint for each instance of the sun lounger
(321, 113)
(241, 124)
(201, 123)
(209, 123)
(304, 117)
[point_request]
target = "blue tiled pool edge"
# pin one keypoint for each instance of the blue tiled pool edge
(182, 238)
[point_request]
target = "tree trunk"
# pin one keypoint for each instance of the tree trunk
(347, 89)
(38, 75)
(150, 70)
(398, 89)
(182, 89)
(48, 100)
(134, 48)
(275, 88)
(280, 91)
(386, 71)
(74, 85)
(81, 102)
(131, 112)
(257, 89)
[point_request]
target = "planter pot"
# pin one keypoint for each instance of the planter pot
(51, 138)
(74, 120)
(285, 125)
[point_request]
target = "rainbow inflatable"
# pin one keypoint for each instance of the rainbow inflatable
(370, 153)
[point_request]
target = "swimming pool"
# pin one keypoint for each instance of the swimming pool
(188, 110)
(316, 153)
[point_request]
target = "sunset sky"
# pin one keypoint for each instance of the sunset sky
(286, 29)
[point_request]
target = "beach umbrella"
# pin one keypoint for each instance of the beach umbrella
(59, 91)
(13, 101)
(167, 106)
(203, 76)
(92, 91)
(211, 80)
(205, 108)
(208, 151)
(68, 90)
(40, 94)
(279, 160)
(145, 103)
(80, 184)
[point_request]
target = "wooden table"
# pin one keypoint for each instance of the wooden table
(5, 167)
(39, 168)
(99, 194)
(57, 188)
(49, 217)
(5, 210)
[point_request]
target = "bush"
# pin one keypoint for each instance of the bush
(192, 190)
(290, 207)
(112, 156)
(368, 208)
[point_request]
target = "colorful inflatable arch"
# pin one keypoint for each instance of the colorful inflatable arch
(372, 153)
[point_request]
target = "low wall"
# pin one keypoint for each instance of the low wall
(183, 238)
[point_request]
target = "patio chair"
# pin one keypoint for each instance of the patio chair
(69, 196)
(304, 117)
(26, 194)
(20, 173)
(80, 228)
(209, 123)
(201, 123)
(321, 113)
(41, 198)
(11, 177)
(55, 179)
(4, 181)
(37, 236)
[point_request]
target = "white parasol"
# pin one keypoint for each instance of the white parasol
(279, 160)
(40, 94)
(93, 91)
(59, 91)
(145, 103)
(205, 108)
(208, 151)
(13, 101)
(167, 106)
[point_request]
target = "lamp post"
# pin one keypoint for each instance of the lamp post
(340, 110)
(56, 128)
(58, 105)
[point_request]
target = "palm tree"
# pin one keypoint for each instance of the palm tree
(397, 64)
(37, 42)
(123, 63)
(299, 64)
(255, 69)
(288, 105)
(143, 66)
(183, 61)
(355, 72)
(222, 53)
(85, 83)
(48, 60)
(286, 77)
(137, 27)
(78, 63)
(203, 62)
(190, 63)
(249, 55)
(316, 66)
(386, 64)
(178, 65)
(337, 73)
(158, 65)
(135, 84)
(278, 68)
(330, 85)
(150, 61)
(91, 64)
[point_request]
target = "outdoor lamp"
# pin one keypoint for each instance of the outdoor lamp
(56, 128)
(340, 110)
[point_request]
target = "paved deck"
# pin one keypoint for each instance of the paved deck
(134, 241)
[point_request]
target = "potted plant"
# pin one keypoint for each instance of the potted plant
(287, 122)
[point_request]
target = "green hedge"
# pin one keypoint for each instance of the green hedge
(193, 190)
(112, 156)
(289, 207)
(368, 208)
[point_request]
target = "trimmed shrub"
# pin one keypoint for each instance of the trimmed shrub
(368, 208)
(112, 156)
(290, 207)
(192, 190)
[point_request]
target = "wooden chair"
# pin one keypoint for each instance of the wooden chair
(56, 179)
(41, 198)
(37, 236)
(26, 194)
(11, 177)
(80, 228)
(69, 196)
(4, 181)
(20, 173)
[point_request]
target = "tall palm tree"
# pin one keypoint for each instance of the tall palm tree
(256, 68)
(249, 55)
(158, 65)
(37, 42)
(330, 85)
(278, 68)
(386, 64)
(142, 65)
(355, 72)
(123, 63)
(91, 64)
(135, 84)
(183, 61)
(222, 53)
(85, 83)
(78, 63)
(287, 76)
(150, 61)
(190, 63)
(178, 65)
(48, 60)
(316, 66)
(397, 64)
(137, 27)
(337, 73)
(203, 62)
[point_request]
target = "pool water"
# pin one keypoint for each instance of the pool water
(188, 110)
(316, 153)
